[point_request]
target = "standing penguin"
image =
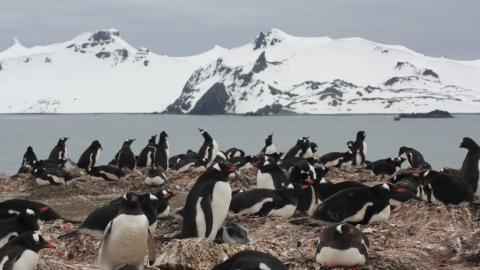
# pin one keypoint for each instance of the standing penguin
(342, 245)
(59, 153)
(269, 148)
(126, 158)
(269, 175)
(163, 152)
(207, 202)
(22, 252)
(439, 187)
(209, 148)
(304, 173)
(126, 237)
(28, 161)
(413, 157)
(147, 155)
(470, 170)
(251, 260)
(89, 157)
(301, 149)
(359, 148)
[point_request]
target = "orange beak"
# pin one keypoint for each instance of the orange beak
(232, 169)
(48, 245)
(310, 181)
(43, 209)
(400, 190)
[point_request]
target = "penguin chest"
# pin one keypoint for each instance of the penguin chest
(381, 216)
(221, 197)
(313, 202)
(27, 261)
(358, 158)
(165, 212)
(271, 149)
(154, 181)
(333, 257)
(286, 211)
(127, 242)
(265, 180)
(56, 179)
(42, 182)
(333, 163)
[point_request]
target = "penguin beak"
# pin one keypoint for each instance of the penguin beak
(310, 181)
(168, 196)
(232, 169)
(400, 190)
(43, 209)
(416, 174)
(48, 245)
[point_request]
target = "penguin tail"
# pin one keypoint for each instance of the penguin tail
(69, 235)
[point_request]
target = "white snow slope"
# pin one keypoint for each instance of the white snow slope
(100, 72)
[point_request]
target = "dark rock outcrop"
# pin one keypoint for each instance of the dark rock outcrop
(212, 102)
(432, 114)
(260, 64)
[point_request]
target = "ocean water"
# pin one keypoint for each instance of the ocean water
(437, 139)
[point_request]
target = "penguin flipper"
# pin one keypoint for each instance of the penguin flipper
(106, 234)
(9, 263)
(69, 235)
(151, 249)
(207, 211)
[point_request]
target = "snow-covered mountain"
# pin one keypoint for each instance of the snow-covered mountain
(94, 72)
(280, 73)
(276, 73)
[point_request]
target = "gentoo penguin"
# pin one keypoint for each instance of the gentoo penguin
(266, 202)
(325, 188)
(232, 233)
(153, 206)
(359, 148)
(107, 172)
(269, 148)
(470, 166)
(207, 202)
(126, 237)
(126, 158)
(28, 161)
(46, 173)
(414, 158)
(209, 148)
(269, 175)
(251, 260)
(313, 149)
(304, 173)
(163, 152)
(287, 164)
(445, 188)
(300, 149)
(234, 153)
(335, 159)
(155, 176)
(24, 222)
(146, 158)
(342, 245)
(13, 207)
(357, 205)
(59, 153)
(191, 164)
(387, 168)
(89, 158)
(21, 253)
(410, 181)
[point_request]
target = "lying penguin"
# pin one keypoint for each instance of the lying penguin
(10, 228)
(251, 260)
(11, 208)
(22, 252)
(155, 176)
(342, 245)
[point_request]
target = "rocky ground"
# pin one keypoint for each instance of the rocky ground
(417, 236)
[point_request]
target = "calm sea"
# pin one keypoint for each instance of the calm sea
(437, 139)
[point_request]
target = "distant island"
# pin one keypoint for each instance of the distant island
(432, 114)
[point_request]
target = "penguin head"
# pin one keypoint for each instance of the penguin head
(345, 230)
(398, 161)
(321, 172)
(62, 140)
(314, 147)
(165, 195)
(163, 134)
(220, 170)
(266, 164)
(269, 140)
(96, 145)
(153, 139)
(402, 150)
(468, 144)
(130, 200)
(361, 135)
(205, 134)
(29, 218)
(34, 241)
(29, 149)
(303, 173)
(350, 145)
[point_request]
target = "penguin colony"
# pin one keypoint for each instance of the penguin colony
(287, 184)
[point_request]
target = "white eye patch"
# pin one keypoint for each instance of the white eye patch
(323, 181)
(385, 186)
(164, 192)
(217, 167)
(153, 197)
(339, 228)
(266, 163)
(30, 212)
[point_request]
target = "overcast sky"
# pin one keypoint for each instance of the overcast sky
(182, 27)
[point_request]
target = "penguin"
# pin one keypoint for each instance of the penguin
(232, 233)
(11, 208)
(410, 181)
(266, 202)
(288, 164)
(59, 153)
(24, 222)
(46, 173)
(387, 168)
(470, 166)
(126, 158)
(342, 245)
(146, 158)
(126, 237)
(234, 153)
(269, 148)
(163, 152)
(207, 202)
(359, 148)
(304, 173)
(153, 206)
(325, 188)
(313, 149)
(335, 159)
(191, 163)
(442, 188)
(155, 176)
(209, 148)
(300, 149)
(251, 260)
(89, 157)
(107, 172)
(414, 158)
(28, 161)
(269, 175)
(22, 252)
(244, 163)
(357, 205)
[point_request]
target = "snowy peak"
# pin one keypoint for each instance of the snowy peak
(272, 37)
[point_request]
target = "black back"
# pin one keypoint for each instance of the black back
(470, 171)
(58, 153)
(88, 159)
(20, 205)
(250, 260)
(162, 154)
